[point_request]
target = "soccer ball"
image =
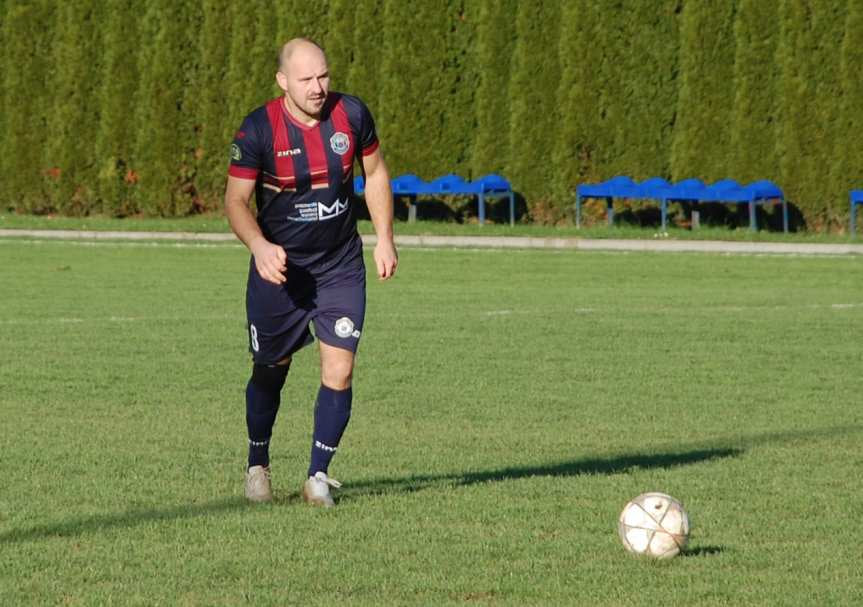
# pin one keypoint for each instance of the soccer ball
(654, 525)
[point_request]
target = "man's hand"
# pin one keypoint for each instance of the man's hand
(386, 258)
(270, 260)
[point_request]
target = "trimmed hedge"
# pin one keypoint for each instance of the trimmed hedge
(119, 108)
(494, 42)
(533, 119)
(701, 142)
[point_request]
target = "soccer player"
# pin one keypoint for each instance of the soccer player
(296, 153)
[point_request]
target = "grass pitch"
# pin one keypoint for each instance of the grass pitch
(507, 405)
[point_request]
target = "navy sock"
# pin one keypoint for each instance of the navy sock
(332, 412)
(263, 396)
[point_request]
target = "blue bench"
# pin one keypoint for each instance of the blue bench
(856, 197)
(487, 186)
(687, 190)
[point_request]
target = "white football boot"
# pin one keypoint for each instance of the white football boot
(258, 488)
(316, 490)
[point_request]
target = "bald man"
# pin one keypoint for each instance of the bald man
(296, 154)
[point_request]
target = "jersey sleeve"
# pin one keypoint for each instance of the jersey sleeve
(367, 136)
(246, 152)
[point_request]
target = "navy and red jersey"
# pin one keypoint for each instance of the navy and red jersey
(304, 185)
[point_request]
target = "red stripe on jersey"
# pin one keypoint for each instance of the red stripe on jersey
(316, 157)
(281, 142)
(372, 148)
(243, 172)
(341, 124)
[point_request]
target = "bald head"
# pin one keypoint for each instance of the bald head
(304, 77)
(298, 45)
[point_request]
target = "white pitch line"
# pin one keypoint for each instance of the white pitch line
(486, 314)
(484, 242)
(132, 244)
(115, 319)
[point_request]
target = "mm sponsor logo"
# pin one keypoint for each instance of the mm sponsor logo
(291, 152)
(334, 210)
(324, 447)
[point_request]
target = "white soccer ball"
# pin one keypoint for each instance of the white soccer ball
(654, 525)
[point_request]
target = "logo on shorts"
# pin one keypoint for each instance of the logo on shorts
(345, 328)
(340, 143)
(235, 152)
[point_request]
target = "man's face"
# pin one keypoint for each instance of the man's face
(306, 80)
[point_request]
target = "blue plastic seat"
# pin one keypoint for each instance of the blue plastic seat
(620, 186)
(495, 186)
(856, 197)
(687, 190)
(766, 189)
(654, 187)
(726, 190)
(757, 192)
(359, 185)
(409, 185)
(616, 187)
(451, 184)
(493, 183)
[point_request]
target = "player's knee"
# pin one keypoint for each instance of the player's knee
(270, 378)
(337, 375)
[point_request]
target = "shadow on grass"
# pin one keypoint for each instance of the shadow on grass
(702, 551)
(99, 522)
(687, 455)
(703, 451)
(96, 523)
(612, 465)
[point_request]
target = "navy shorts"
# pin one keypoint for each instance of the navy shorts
(331, 298)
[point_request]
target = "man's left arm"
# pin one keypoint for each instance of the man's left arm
(379, 199)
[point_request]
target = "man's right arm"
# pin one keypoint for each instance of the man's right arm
(270, 259)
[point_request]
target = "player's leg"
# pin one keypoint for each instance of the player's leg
(332, 413)
(263, 397)
(332, 407)
(338, 326)
(278, 327)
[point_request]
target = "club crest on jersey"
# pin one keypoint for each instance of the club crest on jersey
(235, 152)
(340, 143)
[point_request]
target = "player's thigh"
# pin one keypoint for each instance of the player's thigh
(340, 314)
(278, 325)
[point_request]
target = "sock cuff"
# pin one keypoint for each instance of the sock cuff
(335, 398)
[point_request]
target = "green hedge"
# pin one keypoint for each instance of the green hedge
(120, 108)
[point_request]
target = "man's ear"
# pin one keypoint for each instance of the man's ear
(282, 80)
